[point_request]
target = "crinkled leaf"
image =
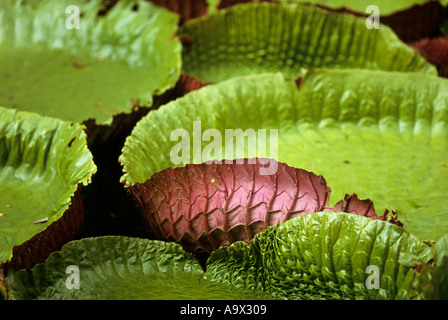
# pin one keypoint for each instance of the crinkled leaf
(121, 268)
(209, 205)
(323, 256)
(441, 261)
(42, 162)
(410, 20)
(366, 208)
(268, 37)
(103, 68)
(433, 281)
(206, 206)
(383, 136)
(386, 7)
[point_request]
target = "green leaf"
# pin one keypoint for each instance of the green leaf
(42, 162)
(380, 135)
(433, 281)
(121, 268)
(441, 249)
(94, 72)
(386, 7)
(269, 37)
(323, 256)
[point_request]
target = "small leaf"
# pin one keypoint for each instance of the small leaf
(352, 204)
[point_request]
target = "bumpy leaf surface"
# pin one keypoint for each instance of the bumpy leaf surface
(269, 37)
(121, 268)
(380, 135)
(324, 255)
(43, 162)
(386, 7)
(206, 206)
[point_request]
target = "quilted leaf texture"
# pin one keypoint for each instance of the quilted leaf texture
(325, 255)
(205, 206)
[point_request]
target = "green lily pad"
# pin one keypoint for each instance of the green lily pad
(316, 256)
(386, 7)
(269, 37)
(121, 268)
(380, 135)
(106, 66)
(323, 256)
(43, 161)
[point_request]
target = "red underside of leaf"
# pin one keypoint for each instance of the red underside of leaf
(436, 52)
(205, 206)
(186, 83)
(187, 9)
(352, 204)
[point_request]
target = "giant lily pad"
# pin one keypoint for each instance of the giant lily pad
(410, 20)
(268, 37)
(210, 205)
(387, 143)
(386, 7)
(122, 268)
(324, 256)
(206, 206)
(43, 162)
(67, 59)
(316, 256)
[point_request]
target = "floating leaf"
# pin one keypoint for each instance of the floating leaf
(206, 206)
(121, 268)
(267, 37)
(323, 256)
(43, 163)
(67, 59)
(380, 135)
(209, 205)
(386, 7)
